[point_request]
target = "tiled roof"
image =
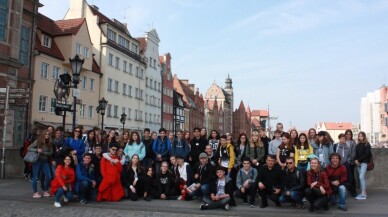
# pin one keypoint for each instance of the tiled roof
(60, 27)
(241, 107)
(53, 51)
(96, 67)
(261, 113)
(143, 45)
(337, 126)
(256, 122)
(104, 19)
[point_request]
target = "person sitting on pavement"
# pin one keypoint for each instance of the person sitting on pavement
(294, 184)
(164, 184)
(337, 175)
(246, 182)
(132, 179)
(318, 187)
(203, 175)
(211, 155)
(86, 181)
(186, 176)
(221, 192)
(270, 180)
(63, 183)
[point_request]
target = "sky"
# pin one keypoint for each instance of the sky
(309, 61)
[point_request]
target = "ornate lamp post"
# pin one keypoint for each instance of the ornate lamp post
(76, 65)
(101, 109)
(122, 119)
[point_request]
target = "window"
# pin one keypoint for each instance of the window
(140, 115)
(110, 84)
(154, 63)
(150, 86)
(92, 84)
(124, 66)
(150, 119)
(83, 82)
(116, 86)
(112, 35)
(123, 42)
(53, 104)
(82, 111)
(137, 71)
(86, 52)
(90, 111)
(117, 63)
(154, 85)
(110, 60)
(146, 117)
(42, 103)
(109, 110)
(136, 92)
(123, 109)
(141, 73)
(46, 41)
(129, 90)
(129, 114)
(146, 81)
(159, 86)
(78, 48)
(55, 72)
(134, 48)
(146, 102)
(136, 115)
(130, 68)
(124, 89)
(150, 61)
(24, 42)
(3, 19)
(116, 110)
(141, 94)
(44, 67)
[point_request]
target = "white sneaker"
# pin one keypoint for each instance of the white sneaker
(57, 204)
(180, 198)
(65, 199)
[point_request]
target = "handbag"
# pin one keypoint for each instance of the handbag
(371, 164)
(31, 157)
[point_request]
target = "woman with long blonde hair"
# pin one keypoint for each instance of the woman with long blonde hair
(256, 149)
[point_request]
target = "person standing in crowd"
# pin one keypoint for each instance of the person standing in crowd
(270, 181)
(318, 187)
(274, 143)
(279, 127)
(294, 137)
(246, 182)
(86, 180)
(221, 192)
(96, 159)
(186, 176)
(312, 137)
(204, 133)
(242, 144)
(285, 150)
(110, 188)
(175, 174)
(134, 146)
(180, 146)
(345, 151)
(214, 140)
(203, 176)
(44, 148)
(323, 149)
(97, 134)
(150, 155)
(226, 155)
(132, 178)
(164, 189)
(76, 143)
(336, 172)
(154, 135)
(124, 139)
(363, 157)
(187, 137)
(198, 145)
(161, 148)
(211, 155)
(294, 184)
(265, 140)
(302, 150)
(351, 176)
(256, 150)
(63, 183)
(90, 142)
(149, 183)
(171, 137)
(57, 142)
(109, 140)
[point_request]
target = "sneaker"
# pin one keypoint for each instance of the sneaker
(180, 198)
(147, 198)
(83, 202)
(245, 202)
(46, 194)
(343, 208)
(37, 195)
(361, 197)
(263, 205)
(65, 199)
(227, 207)
(252, 206)
(57, 204)
(204, 206)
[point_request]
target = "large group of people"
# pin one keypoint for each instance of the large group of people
(288, 168)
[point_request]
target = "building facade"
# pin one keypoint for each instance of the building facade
(149, 49)
(179, 112)
(118, 55)
(214, 116)
(336, 128)
(168, 93)
(259, 118)
(241, 121)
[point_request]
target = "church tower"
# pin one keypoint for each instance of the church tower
(228, 106)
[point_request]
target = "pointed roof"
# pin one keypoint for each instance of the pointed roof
(248, 109)
(241, 107)
(53, 51)
(95, 67)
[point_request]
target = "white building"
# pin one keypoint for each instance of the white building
(149, 49)
(118, 55)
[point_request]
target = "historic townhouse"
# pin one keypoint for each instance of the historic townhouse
(168, 89)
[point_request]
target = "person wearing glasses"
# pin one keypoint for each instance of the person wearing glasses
(110, 188)
(293, 185)
(76, 143)
(246, 182)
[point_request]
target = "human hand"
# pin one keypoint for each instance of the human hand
(261, 186)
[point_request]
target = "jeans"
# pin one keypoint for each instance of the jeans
(342, 193)
(216, 204)
(362, 171)
(295, 196)
(203, 191)
(316, 198)
(86, 191)
(36, 168)
(60, 192)
(251, 191)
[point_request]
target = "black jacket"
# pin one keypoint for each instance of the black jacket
(295, 181)
(228, 187)
(206, 173)
(190, 175)
(128, 176)
(271, 178)
(363, 152)
(148, 148)
(164, 184)
(197, 147)
(265, 141)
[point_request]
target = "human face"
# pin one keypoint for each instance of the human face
(320, 138)
(334, 161)
(179, 135)
(113, 151)
(229, 136)
(150, 170)
(134, 137)
(77, 132)
(135, 159)
(146, 134)
(197, 133)
(262, 133)
(247, 165)
(208, 150)
(120, 152)
(203, 132)
(279, 127)
(293, 134)
(312, 133)
(125, 136)
(255, 137)
(220, 173)
(67, 161)
(50, 129)
(187, 135)
(314, 164)
(162, 134)
(179, 161)
(290, 164)
(348, 136)
(214, 134)
(302, 139)
(154, 136)
(285, 140)
(360, 137)
(342, 140)
(47, 134)
(112, 133)
(58, 134)
(270, 162)
(164, 168)
(171, 136)
(277, 135)
(98, 150)
(91, 135)
(223, 141)
(173, 160)
(243, 140)
(203, 160)
(87, 160)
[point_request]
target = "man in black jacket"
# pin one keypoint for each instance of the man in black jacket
(198, 145)
(203, 175)
(293, 185)
(269, 179)
(148, 160)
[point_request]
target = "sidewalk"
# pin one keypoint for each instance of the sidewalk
(376, 205)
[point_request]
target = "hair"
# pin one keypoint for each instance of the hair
(295, 140)
(273, 157)
(96, 128)
(335, 154)
(160, 169)
(184, 136)
(91, 142)
(279, 124)
(351, 133)
(223, 137)
(220, 168)
(363, 135)
(179, 131)
(162, 130)
(319, 165)
(146, 130)
(329, 137)
(290, 158)
(341, 135)
(278, 131)
(196, 129)
(108, 136)
(325, 140)
(60, 128)
(239, 139)
(259, 143)
(131, 141)
(72, 165)
(217, 136)
(122, 142)
(42, 139)
(114, 146)
(306, 143)
(309, 133)
(246, 159)
(139, 168)
(289, 145)
(87, 154)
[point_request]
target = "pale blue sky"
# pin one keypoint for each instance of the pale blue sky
(309, 60)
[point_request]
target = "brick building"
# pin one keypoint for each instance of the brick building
(168, 92)
(241, 121)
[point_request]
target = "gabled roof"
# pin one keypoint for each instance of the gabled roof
(95, 67)
(59, 27)
(337, 126)
(104, 19)
(241, 107)
(53, 51)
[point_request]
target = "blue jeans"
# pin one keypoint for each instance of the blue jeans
(342, 193)
(60, 192)
(295, 196)
(86, 191)
(361, 173)
(203, 191)
(36, 168)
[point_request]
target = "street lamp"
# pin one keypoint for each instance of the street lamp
(101, 109)
(122, 119)
(76, 65)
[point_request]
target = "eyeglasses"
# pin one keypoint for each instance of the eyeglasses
(289, 163)
(114, 149)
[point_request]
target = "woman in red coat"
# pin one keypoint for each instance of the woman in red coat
(63, 183)
(110, 188)
(319, 188)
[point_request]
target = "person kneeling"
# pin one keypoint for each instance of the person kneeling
(221, 192)
(132, 179)
(86, 184)
(204, 175)
(294, 184)
(337, 174)
(246, 182)
(63, 183)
